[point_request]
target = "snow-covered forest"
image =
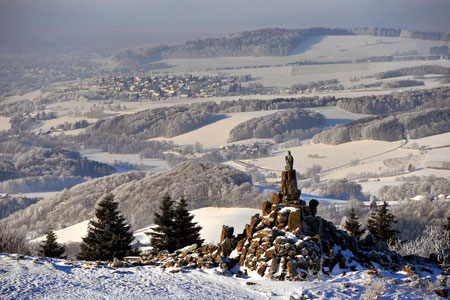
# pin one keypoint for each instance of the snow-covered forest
(203, 185)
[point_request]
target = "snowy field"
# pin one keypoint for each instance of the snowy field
(156, 165)
(4, 123)
(216, 134)
(324, 48)
(363, 156)
(317, 49)
(36, 278)
(48, 124)
(26, 96)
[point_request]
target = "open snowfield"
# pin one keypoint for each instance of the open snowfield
(4, 123)
(330, 156)
(27, 96)
(217, 133)
(156, 165)
(37, 278)
(287, 76)
(48, 124)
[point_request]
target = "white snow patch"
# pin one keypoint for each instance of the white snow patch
(4, 123)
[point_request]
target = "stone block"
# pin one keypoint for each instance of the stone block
(275, 199)
(292, 268)
(225, 247)
(274, 266)
(266, 232)
(294, 221)
(261, 269)
(227, 232)
(270, 253)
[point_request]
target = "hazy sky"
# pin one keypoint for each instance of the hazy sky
(105, 23)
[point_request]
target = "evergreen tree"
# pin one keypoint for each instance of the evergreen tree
(352, 225)
(186, 231)
(380, 224)
(162, 236)
(108, 235)
(50, 248)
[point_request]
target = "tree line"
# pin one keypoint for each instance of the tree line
(417, 71)
(415, 124)
(397, 102)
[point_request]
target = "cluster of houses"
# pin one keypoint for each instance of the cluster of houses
(430, 198)
(160, 87)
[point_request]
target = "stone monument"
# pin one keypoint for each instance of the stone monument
(289, 194)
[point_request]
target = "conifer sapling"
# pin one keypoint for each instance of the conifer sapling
(50, 248)
(352, 225)
(380, 224)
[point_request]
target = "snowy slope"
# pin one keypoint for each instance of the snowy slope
(34, 278)
(210, 218)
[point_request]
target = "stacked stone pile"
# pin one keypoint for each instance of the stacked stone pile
(189, 257)
(287, 241)
(284, 243)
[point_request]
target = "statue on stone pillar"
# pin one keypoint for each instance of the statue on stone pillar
(289, 162)
(289, 193)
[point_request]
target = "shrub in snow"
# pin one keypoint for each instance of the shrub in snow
(11, 241)
(374, 289)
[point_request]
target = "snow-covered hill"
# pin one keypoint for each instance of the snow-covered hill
(139, 195)
(36, 278)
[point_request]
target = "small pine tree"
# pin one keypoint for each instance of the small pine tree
(380, 224)
(162, 236)
(186, 231)
(108, 235)
(352, 225)
(50, 248)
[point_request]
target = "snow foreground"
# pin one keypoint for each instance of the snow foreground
(47, 278)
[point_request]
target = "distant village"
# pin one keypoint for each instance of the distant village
(135, 88)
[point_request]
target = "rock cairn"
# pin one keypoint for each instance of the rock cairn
(287, 241)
